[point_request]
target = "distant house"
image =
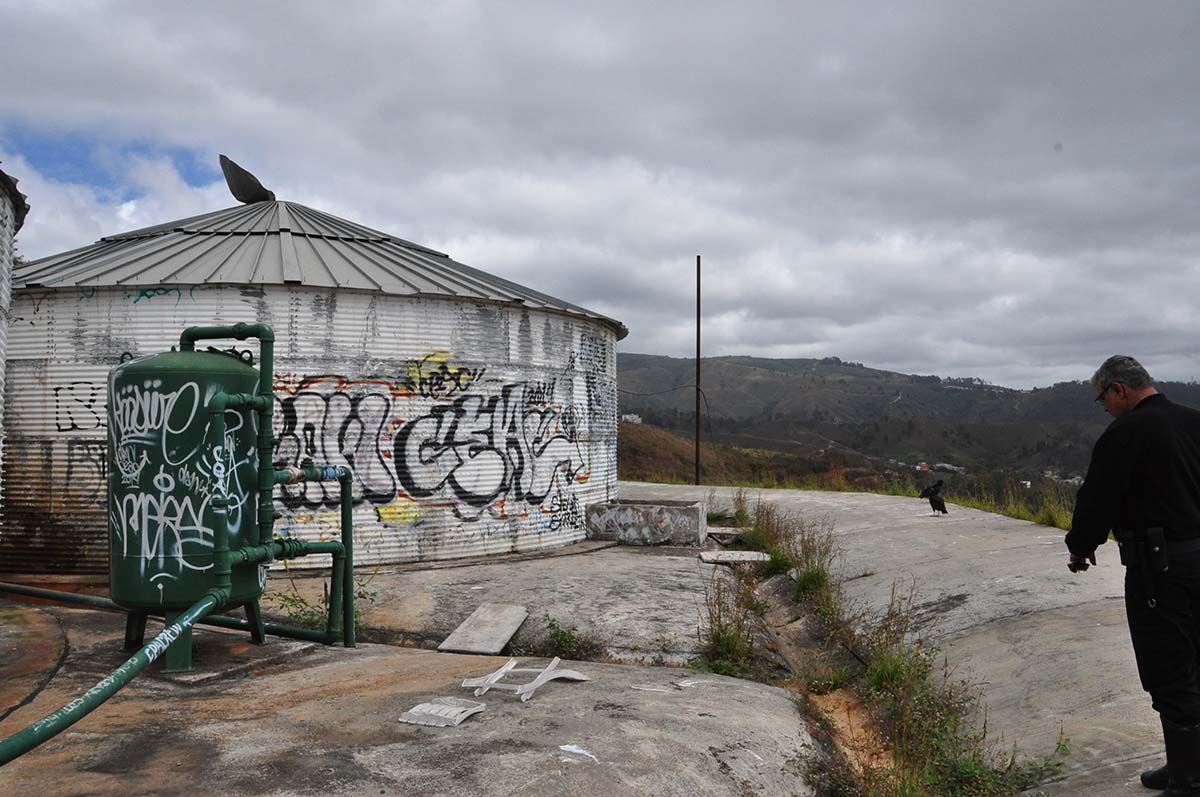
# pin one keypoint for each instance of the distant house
(631, 417)
(948, 468)
(921, 466)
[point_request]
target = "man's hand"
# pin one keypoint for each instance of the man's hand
(1077, 564)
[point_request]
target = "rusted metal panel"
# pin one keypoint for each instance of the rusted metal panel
(473, 428)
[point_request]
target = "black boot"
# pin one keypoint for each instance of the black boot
(1155, 778)
(1183, 759)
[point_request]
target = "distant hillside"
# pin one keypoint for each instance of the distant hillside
(649, 453)
(809, 406)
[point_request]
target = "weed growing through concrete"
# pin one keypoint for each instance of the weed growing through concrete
(731, 619)
(304, 613)
(716, 513)
(929, 717)
(563, 641)
(741, 508)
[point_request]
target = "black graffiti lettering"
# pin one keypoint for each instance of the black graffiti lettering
(75, 407)
(434, 377)
(565, 512)
(540, 392)
(336, 422)
(485, 449)
(86, 472)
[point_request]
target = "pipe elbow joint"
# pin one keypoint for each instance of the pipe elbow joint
(220, 596)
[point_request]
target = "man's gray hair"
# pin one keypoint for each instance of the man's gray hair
(1124, 369)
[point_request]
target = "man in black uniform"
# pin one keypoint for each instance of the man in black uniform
(1143, 484)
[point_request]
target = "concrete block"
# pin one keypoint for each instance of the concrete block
(487, 630)
(649, 522)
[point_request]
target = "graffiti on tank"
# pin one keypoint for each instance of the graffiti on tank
(146, 294)
(540, 392)
(487, 448)
(337, 421)
(565, 512)
(569, 422)
(593, 361)
(75, 407)
(129, 466)
(161, 517)
(143, 415)
(86, 472)
(161, 527)
(434, 377)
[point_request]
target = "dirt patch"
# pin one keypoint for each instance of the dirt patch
(854, 731)
(818, 671)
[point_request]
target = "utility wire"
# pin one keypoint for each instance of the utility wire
(657, 393)
(707, 416)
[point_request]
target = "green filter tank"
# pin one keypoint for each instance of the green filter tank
(165, 469)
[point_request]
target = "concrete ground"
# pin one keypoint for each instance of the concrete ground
(642, 604)
(1050, 648)
(293, 718)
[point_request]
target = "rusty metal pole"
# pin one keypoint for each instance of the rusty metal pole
(697, 369)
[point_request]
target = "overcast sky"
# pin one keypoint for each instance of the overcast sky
(1008, 190)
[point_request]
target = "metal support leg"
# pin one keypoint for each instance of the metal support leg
(135, 630)
(258, 631)
(178, 657)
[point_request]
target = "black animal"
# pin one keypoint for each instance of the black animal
(933, 493)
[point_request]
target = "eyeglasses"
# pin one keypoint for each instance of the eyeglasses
(1100, 396)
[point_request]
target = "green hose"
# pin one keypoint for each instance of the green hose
(51, 725)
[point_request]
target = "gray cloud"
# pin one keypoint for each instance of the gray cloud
(1006, 190)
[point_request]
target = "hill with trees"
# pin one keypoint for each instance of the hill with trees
(816, 406)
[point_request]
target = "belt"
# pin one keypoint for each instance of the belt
(1184, 546)
(1173, 546)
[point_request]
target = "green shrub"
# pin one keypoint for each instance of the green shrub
(729, 623)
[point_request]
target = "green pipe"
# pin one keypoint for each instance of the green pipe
(265, 407)
(291, 549)
(91, 601)
(222, 571)
(217, 620)
(346, 483)
(268, 477)
(53, 724)
(345, 479)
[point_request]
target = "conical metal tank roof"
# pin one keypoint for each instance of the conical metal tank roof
(280, 243)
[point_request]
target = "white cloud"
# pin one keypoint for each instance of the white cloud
(993, 189)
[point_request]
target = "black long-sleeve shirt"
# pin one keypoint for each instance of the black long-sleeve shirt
(1144, 472)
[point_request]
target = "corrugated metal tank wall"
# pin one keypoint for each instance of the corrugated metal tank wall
(8, 224)
(472, 428)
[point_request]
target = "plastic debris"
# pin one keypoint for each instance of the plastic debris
(733, 557)
(577, 750)
(442, 712)
(549, 673)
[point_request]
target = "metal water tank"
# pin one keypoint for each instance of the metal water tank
(479, 416)
(168, 477)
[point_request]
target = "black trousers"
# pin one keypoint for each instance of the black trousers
(1166, 638)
